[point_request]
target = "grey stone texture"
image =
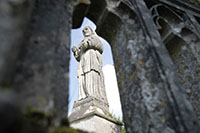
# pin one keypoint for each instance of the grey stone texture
(195, 3)
(14, 16)
(156, 55)
(181, 39)
(97, 123)
(34, 60)
(87, 105)
(41, 78)
(92, 115)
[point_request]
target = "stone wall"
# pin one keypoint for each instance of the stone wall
(179, 31)
(158, 80)
(35, 46)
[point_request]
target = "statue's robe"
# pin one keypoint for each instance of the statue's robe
(90, 74)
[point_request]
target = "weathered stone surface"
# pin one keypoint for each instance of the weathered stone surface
(14, 19)
(153, 100)
(42, 72)
(92, 115)
(84, 106)
(97, 123)
(195, 3)
(34, 55)
(181, 38)
(157, 99)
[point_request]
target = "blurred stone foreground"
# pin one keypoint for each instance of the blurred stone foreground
(156, 51)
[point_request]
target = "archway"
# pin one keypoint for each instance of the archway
(141, 70)
(183, 46)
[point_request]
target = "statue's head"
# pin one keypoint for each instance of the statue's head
(87, 31)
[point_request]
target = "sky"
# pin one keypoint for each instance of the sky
(108, 69)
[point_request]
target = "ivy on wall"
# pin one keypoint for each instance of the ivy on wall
(198, 1)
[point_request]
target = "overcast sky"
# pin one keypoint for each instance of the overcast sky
(108, 69)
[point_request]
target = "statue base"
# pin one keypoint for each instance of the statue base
(92, 115)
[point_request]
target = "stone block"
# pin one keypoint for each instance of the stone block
(97, 122)
(92, 115)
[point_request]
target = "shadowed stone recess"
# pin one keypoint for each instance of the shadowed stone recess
(181, 38)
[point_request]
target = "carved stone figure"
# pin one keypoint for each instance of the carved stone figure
(90, 74)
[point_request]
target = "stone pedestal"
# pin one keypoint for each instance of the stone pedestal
(91, 115)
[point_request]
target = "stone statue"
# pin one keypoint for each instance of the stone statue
(90, 74)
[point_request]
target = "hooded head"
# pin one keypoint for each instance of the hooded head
(88, 31)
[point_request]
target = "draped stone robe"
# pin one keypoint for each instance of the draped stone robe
(90, 75)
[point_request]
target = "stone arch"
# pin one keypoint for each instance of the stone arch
(176, 26)
(172, 23)
(182, 44)
(171, 17)
(140, 71)
(91, 9)
(97, 12)
(152, 100)
(111, 27)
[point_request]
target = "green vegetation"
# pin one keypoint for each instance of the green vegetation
(64, 130)
(111, 115)
(123, 128)
(193, 1)
(37, 121)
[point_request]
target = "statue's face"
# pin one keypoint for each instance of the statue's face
(87, 32)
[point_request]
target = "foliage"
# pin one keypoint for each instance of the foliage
(197, 1)
(111, 115)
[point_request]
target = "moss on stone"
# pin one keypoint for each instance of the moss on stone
(35, 120)
(6, 84)
(133, 75)
(119, 85)
(63, 130)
